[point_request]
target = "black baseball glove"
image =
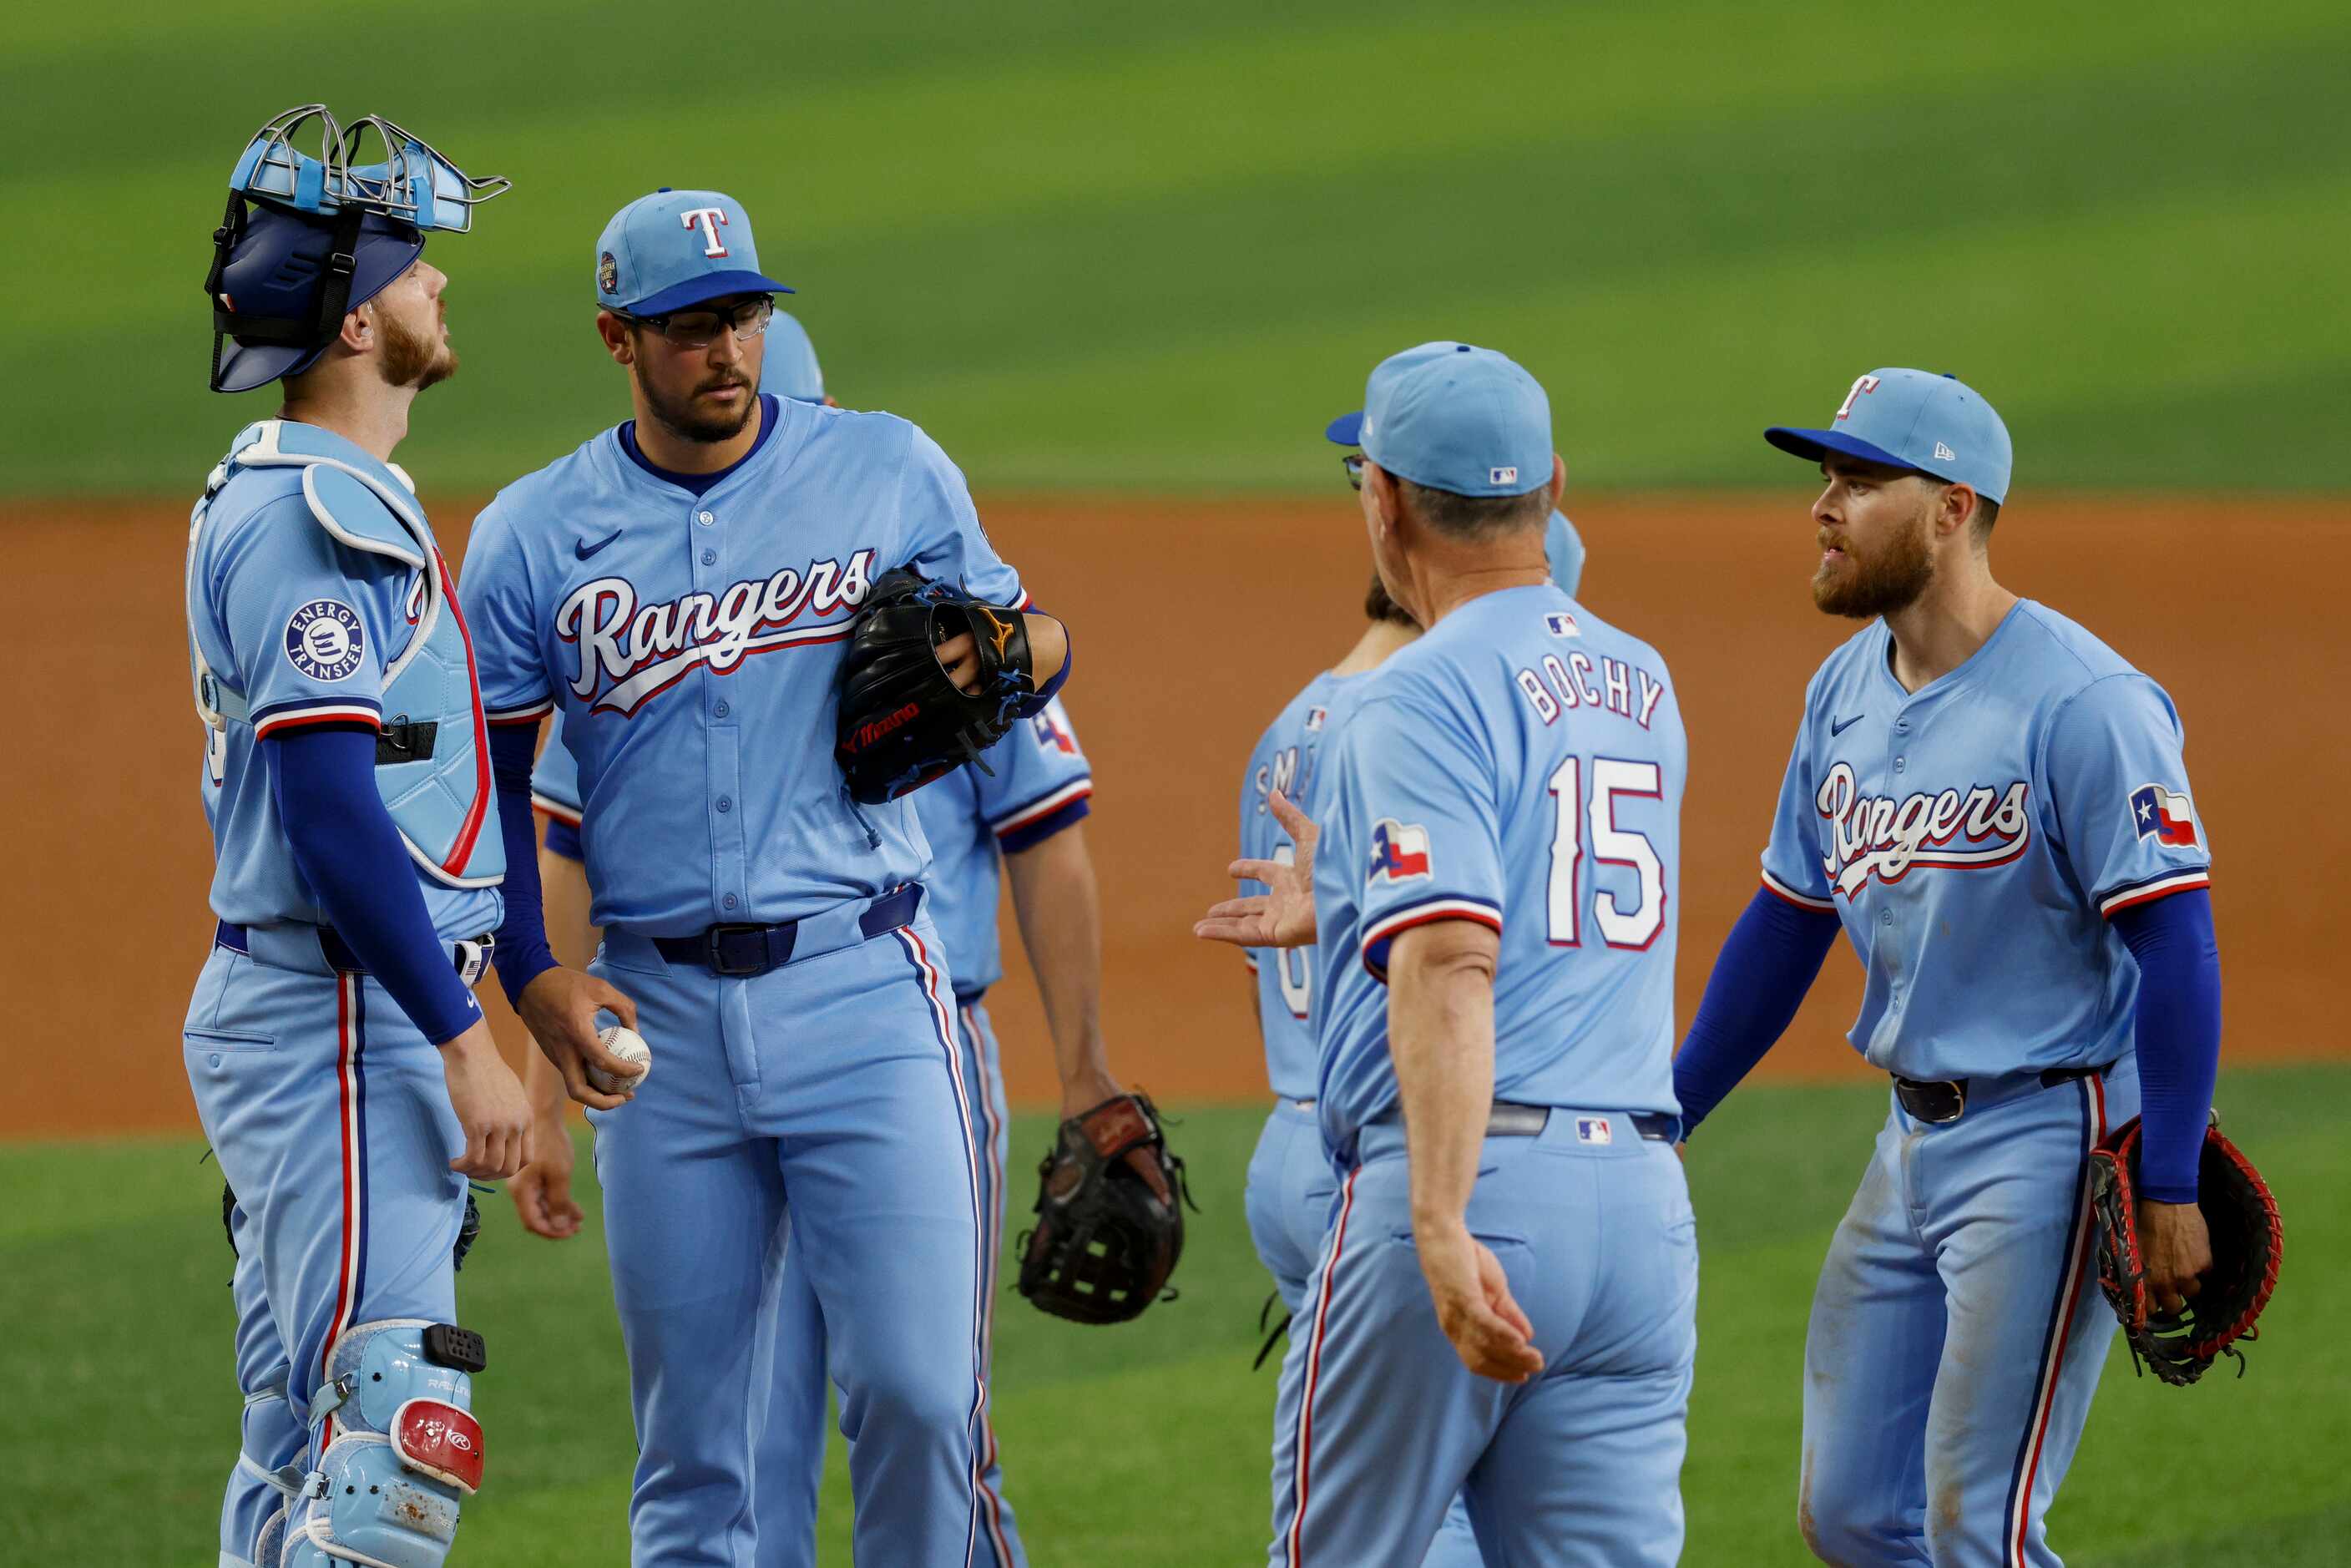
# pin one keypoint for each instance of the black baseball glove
(902, 721)
(1110, 1216)
(2247, 1242)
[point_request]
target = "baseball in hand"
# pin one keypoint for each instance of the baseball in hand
(629, 1046)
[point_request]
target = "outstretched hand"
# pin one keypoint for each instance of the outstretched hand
(1282, 916)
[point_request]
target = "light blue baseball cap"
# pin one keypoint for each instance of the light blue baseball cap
(676, 248)
(1454, 418)
(1939, 425)
(790, 369)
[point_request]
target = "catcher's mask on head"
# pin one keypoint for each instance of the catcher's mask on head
(307, 239)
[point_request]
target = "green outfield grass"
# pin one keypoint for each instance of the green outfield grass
(1143, 1445)
(1119, 246)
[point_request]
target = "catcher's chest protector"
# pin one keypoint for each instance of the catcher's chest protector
(433, 761)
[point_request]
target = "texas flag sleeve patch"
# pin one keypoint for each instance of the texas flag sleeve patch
(2159, 814)
(1399, 851)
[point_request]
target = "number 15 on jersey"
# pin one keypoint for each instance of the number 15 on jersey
(1586, 793)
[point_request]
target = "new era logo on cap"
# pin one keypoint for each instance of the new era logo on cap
(1944, 454)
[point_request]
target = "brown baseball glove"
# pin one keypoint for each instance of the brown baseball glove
(1110, 1216)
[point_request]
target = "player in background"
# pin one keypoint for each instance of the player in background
(1503, 1301)
(681, 587)
(1289, 1176)
(340, 1062)
(1992, 804)
(1026, 815)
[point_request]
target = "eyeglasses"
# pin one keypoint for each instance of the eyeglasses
(700, 329)
(1354, 463)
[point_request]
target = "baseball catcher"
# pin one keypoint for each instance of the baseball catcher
(1110, 1224)
(2247, 1243)
(933, 677)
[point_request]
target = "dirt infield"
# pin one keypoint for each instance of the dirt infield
(1194, 623)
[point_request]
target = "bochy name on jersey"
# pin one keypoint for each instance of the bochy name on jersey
(1972, 836)
(1521, 766)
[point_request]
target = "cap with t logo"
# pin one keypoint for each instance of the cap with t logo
(677, 249)
(1939, 425)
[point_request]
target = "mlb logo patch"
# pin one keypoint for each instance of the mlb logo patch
(1503, 475)
(1314, 717)
(2156, 814)
(1594, 1129)
(1559, 623)
(1399, 851)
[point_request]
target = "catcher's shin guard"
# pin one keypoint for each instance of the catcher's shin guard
(406, 1454)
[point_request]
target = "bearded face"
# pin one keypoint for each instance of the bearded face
(412, 319)
(1876, 538)
(415, 356)
(698, 401)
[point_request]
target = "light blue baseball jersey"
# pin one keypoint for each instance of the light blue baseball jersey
(1042, 784)
(554, 777)
(1289, 756)
(1974, 835)
(1521, 765)
(648, 615)
(304, 627)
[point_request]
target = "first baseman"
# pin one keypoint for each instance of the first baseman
(1503, 1299)
(1992, 804)
(1289, 1176)
(680, 587)
(1019, 817)
(340, 1063)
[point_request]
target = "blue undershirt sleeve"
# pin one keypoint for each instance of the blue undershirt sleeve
(2179, 1036)
(1033, 705)
(344, 843)
(523, 954)
(1767, 964)
(563, 839)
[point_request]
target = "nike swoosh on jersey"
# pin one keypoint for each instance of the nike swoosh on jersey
(1838, 726)
(583, 549)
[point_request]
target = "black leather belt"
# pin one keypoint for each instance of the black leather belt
(1943, 1101)
(470, 957)
(1511, 1120)
(740, 951)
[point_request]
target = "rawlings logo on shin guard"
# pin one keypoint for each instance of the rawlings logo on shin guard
(441, 1441)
